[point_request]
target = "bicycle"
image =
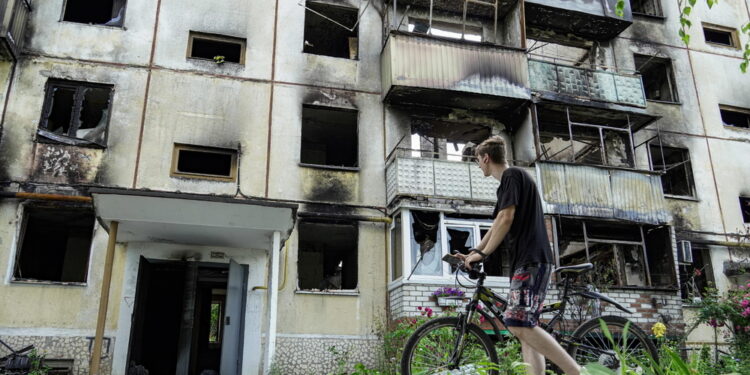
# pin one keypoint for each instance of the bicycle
(456, 345)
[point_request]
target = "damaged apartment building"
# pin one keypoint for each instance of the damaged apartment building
(241, 186)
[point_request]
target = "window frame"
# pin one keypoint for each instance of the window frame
(745, 217)
(342, 291)
(355, 168)
(687, 164)
(179, 174)
(669, 74)
(327, 4)
(733, 35)
(729, 108)
(120, 26)
(74, 124)
(657, 6)
(215, 38)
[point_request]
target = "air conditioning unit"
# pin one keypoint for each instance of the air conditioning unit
(684, 252)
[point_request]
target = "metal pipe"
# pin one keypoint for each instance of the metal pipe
(318, 215)
(45, 197)
(273, 300)
(96, 355)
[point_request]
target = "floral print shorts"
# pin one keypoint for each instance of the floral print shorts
(528, 287)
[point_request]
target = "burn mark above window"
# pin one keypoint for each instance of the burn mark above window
(54, 244)
(76, 113)
(720, 35)
(100, 12)
(217, 48)
(658, 78)
(204, 162)
(331, 31)
(647, 7)
(733, 116)
(329, 137)
(327, 255)
(745, 208)
(678, 172)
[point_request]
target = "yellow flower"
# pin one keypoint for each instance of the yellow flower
(659, 329)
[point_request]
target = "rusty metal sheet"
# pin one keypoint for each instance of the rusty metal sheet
(431, 63)
(581, 190)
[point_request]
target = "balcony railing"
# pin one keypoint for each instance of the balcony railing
(605, 192)
(590, 19)
(426, 177)
(422, 69)
(13, 17)
(589, 84)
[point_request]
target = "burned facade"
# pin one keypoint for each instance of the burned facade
(227, 185)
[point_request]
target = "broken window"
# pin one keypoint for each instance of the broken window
(327, 255)
(696, 275)
(204, 162)
(446, 29)
(426, 244)
(331, 31)
(54, 244)
(720, 35)
(733, 116)
(658, 78)
(329, 137)
(76, 113)
(647, 7)
(100, 12)
(745, 208)
(597, 144)
(217, 48)
(397, 251)
(678, 172)
(621, 254)
(445, 140)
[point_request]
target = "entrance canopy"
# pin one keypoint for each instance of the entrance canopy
(148, 216)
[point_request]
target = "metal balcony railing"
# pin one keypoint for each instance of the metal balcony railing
(586, 83)
(408, 175)
(13, 17)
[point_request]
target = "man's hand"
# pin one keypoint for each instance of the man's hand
(468, 259)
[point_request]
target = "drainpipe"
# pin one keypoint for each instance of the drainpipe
(45, 197)
(273, 300)
(96, 355)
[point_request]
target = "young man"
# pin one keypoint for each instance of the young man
(518, 214)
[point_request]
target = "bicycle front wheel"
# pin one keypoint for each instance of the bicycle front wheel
(433, 347)
(590, 344)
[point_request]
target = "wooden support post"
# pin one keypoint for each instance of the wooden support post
(96, 355)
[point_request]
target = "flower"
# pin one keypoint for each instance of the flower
(697, 272)
(713, 323)
(448, 292)
(659, 329)
(745, 303)
(419, 308)
(746, 313)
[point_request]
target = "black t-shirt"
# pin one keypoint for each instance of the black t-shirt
(528, 235)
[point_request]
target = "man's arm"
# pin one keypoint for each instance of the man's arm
(500, 228)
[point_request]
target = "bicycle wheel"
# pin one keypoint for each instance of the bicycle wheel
(590, 344)
(430, 348)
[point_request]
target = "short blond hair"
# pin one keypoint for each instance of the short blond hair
(494, 147)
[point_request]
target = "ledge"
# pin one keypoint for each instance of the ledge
(341, 293)
(681, 198)
(48, 283)
(330, 167)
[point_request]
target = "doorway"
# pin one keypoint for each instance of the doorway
(188, 318)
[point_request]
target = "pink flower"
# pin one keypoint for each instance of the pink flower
(697, 272)
(419, 308)
(747, 328)
(482, 319)
(713, 323)
(746, 313)
(745, 303)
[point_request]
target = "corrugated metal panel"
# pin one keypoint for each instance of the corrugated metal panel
(581, 190)
(414, 61)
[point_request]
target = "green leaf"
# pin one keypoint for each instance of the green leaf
(686, 10)
(596, 369)
(710, 3)
(682, 368)
(692, 2)
(743, 67)
(620, 8)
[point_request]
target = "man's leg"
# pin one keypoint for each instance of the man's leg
(533, 358)
(541, 342)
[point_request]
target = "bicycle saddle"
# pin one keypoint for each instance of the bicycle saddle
(578, 268)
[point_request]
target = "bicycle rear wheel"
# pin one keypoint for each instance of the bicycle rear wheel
(431, 347)
(590, 344)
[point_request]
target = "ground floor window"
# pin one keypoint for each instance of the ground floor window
(696, 274)
(327, 255)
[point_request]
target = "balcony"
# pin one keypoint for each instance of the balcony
(426, 177)
(588, 19)
(427, 70)
(604, 192)
(13, 16)
(553, 80)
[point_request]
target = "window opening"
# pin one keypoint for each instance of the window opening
(647, 7)
(100, 12)
(327, 31)
(426, 244)
(58, 366)
(720, 35)
(733, 116)
(204, 162)
(658, 78)
(397, 252)
(76, 113)
(678, 174)
(745, 208)
(327, 256)
(216, 319)
(329, 137)
(445, 140)
(445, 29)
(54, 244)
(216, 48)
(696, 276)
